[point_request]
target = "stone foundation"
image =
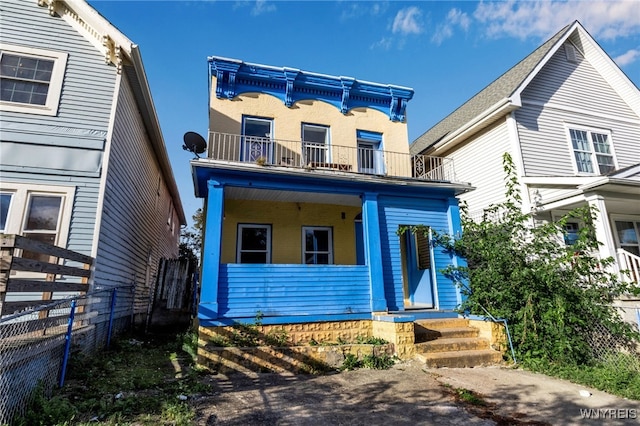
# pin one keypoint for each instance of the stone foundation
(494, 332)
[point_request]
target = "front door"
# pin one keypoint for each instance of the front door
(417, 261)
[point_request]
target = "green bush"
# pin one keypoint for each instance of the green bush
(551, 294)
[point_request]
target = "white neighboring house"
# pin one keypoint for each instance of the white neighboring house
(83, 162)
(570, 118)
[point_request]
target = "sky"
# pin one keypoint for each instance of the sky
(446, 51)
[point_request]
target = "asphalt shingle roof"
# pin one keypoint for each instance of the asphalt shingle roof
(501, 88)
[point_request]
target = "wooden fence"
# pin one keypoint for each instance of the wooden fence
(32, 271)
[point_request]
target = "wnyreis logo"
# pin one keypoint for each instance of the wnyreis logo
(609, 413)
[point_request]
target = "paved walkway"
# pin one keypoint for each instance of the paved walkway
(531, 396)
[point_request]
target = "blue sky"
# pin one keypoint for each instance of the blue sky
(446, 51)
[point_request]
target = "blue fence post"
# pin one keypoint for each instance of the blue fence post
(67, 343)
(113, 307)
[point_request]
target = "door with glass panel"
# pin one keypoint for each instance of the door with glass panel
(257, 143)
(315, 145)
(370, 157)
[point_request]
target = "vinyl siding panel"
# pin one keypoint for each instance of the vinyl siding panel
(292, 290)
(479, 162)
(395, 212)
(572, 94)
(85, 102)
(134, 234)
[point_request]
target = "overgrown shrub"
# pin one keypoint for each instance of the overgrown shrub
(519, 269)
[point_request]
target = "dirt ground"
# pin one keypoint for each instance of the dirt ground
(408, 394)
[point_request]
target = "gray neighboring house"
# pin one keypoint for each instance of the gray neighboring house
(570, 118)
(82, 159)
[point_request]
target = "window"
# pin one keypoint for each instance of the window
(39, 212)
(254, 243)
(628, 235)
(592, 149)
(5, 202)
(317, 245)
(369, 152)
(30, 79)
(315, 143)
(257, 144)
(571, 233)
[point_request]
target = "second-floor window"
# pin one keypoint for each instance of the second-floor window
(30, 79)
(315, 144)
(370, 152)
(257, 145)
(592, 151)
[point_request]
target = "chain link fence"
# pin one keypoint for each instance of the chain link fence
(617, 351)
(36, 344)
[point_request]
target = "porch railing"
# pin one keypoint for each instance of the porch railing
(311, 155)
(631, 263)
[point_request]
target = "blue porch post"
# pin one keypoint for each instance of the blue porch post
(212, 244)
(373, 252)
(455, 229)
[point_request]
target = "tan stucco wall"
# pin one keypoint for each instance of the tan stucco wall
(287, 220)
(226, 117)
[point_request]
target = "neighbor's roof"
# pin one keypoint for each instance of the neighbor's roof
(501, 89)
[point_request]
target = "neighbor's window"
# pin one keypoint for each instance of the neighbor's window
(30, 79)
(592, 151)
(628, 235)
(571, 233)
(317, 245)
(42, 222)
(5, 202)
(254, 243)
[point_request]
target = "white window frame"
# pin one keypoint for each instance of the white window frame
(20, 199)
(239, 250)
(327, 141)
(622, 218)
(55, 84)
(264, 142)
(304, 243)
(592, 152)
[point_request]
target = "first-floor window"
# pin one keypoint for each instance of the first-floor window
(254, 243)
(317, 245)
(628, 233)
(38, 212)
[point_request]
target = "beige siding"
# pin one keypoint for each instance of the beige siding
(134, 233)
(564, 94)
(480, 163)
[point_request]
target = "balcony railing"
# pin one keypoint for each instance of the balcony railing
(310, 155)
(630, 263)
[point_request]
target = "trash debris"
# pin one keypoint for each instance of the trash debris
(182, 397)
(585, 393)
(119, 395)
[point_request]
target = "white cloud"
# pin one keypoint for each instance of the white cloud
(407, 21)
(354, 10)
(455, 17)
(261, 6)
(384, 43)
(606, 20)
(627, 58)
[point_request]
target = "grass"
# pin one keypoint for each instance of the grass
(142, 382)
(614, 375)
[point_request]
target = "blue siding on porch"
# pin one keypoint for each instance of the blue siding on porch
(396, 211)
(292, 290)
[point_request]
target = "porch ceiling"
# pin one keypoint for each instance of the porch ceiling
(237, 193)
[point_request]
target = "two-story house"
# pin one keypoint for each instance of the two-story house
(82, 158)
(307, 180)
(570, 119)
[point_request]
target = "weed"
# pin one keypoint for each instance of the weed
(363, 340)
(378, 362)
(351, 362)
(470, 397)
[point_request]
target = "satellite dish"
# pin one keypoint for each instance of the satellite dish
(195, 143)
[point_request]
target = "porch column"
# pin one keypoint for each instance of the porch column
(455, 229)
(372, 250)
(212, 244)
(602, 227)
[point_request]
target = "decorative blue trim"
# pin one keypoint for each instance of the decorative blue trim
(369, 135)
(234, 77)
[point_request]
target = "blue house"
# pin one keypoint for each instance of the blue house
(306, 181)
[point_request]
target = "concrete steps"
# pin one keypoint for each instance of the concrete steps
(452, 343)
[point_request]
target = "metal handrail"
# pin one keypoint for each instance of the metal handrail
(268, 151)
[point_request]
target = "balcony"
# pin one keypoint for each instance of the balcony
(336, 158)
